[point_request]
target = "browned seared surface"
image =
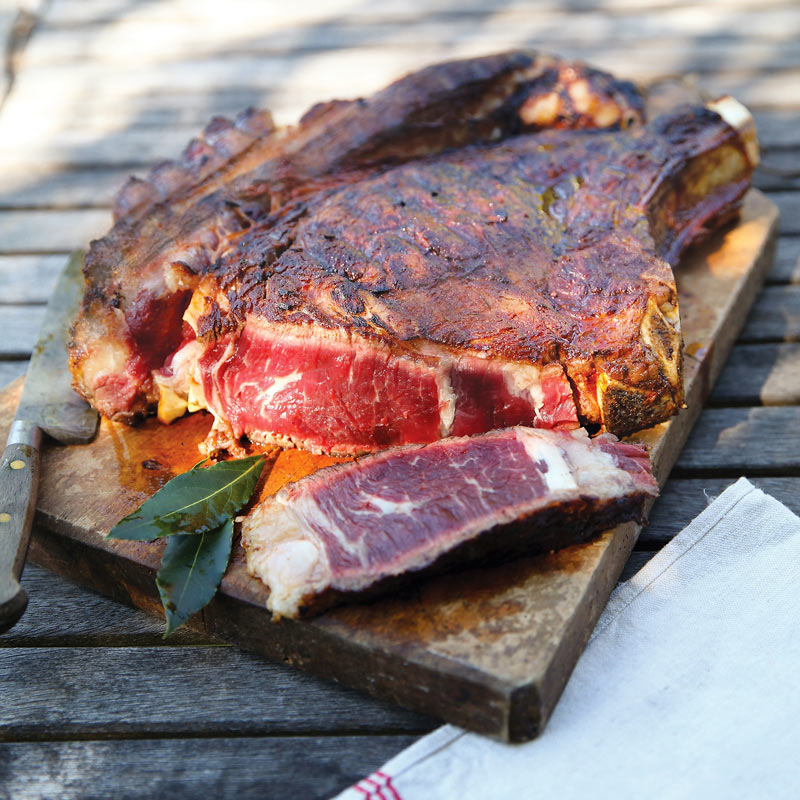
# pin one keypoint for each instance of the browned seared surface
(173, 227)
(541, 247)
(545, 248)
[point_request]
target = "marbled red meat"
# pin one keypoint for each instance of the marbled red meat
(359, 527)
(514, 284)
(336, 394)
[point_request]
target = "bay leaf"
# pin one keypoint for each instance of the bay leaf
(191, 570)
(197, 501)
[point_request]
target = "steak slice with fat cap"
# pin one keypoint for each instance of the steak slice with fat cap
(363, 526)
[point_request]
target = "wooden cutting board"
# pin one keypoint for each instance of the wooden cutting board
(489, 649)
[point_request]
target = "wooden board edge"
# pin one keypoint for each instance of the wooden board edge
(482, 704)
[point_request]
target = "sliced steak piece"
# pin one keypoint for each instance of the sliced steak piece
(363, 526)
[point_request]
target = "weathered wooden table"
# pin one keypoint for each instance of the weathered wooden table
(93, 702)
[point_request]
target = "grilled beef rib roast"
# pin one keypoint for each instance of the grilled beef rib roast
(461, 252)
(363, 526)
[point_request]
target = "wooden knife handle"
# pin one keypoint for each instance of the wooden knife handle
(19, 486)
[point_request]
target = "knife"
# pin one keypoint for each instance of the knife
(48, 404)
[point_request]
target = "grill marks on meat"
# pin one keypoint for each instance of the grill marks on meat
(512, 284)
(171, 228)
(360, 527)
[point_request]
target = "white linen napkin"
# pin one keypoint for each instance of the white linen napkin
(689, 686)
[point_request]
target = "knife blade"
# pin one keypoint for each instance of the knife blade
(48, 404)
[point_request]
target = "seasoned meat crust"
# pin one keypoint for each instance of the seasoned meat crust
(171, 229)
(429, 262)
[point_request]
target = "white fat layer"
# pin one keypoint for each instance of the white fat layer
(447, 401)
(391, 506)
(264, 396)
(284, 553)
(289, 568)
(558, 476)
(525, 380)
(106, 357)
(573, 464)
(738, 117)
(358, 548)
(184, 363)
(595, 470)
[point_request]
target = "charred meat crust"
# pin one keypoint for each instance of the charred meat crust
(171, 227)
(532, 249)
(536, 250)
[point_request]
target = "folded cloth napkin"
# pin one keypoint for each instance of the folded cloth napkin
(689, 686)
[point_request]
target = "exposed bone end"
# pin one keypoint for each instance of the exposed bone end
(739, 118)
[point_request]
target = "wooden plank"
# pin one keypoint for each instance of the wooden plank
(775, 315)
(61, 613)
(325, 75)
(777, 128)
(786, 268)
(74, 13)
(419, 646)
(637, 560)
(779, 169)
(129, 148)
(64, 188)
(48, 231)
(756, 88)
(760, 374)
(683, 499)
(29, 279)
(150, 106)
(743, 441)
(20, 326)
(306, 25)
(307, 767)
(789, 205)
(89, 692)
(298, 47)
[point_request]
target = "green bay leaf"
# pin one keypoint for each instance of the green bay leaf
(191, 570)
(197, 501)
